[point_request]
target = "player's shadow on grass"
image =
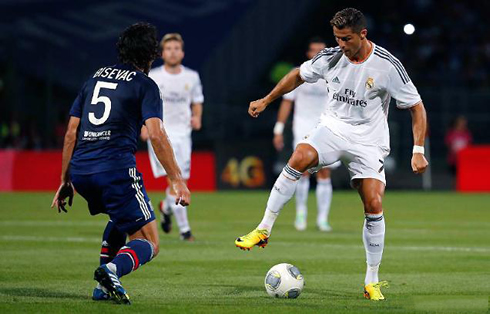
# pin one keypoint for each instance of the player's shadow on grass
(41, 293)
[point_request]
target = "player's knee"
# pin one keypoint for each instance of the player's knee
(303, 158)
(373, 206)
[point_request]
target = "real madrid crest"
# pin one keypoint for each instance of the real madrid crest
(370, 83)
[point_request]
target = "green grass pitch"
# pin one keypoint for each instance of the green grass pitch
(437, 257)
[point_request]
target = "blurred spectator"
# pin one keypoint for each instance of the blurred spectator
(457, 138)
(10, 134)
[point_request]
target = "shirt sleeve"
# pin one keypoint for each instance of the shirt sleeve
(196, 94)
(152, 103)
(77, 106)
(291, 95)
(311, 71)
(402, 88)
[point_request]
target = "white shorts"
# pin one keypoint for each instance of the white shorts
(300, 136)
(182, 147)
(362, 161)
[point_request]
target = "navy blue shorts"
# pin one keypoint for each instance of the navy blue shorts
(119, 194)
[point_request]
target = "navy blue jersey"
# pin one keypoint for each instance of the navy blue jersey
(112, 106)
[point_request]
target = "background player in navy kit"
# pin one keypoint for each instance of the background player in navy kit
(106, 119)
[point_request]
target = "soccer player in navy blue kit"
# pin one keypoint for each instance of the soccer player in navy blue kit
(99, 162)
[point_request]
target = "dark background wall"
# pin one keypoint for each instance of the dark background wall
(48, 48)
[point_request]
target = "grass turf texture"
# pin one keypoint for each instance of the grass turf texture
(436, 258)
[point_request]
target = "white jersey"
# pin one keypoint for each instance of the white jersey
(359, 93)
(179, 91)
(310, 101)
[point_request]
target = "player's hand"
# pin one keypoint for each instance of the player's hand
(256, 107)
(144, 134)
(278, 142)
(64, 191)
(196, 123)
(183, 195)
(419, 163)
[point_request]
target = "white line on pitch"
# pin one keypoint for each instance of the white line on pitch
(48, 239)
(51, 223)
(282, 243)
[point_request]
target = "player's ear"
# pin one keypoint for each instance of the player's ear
(363, 33)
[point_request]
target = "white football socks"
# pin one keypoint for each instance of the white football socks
(373, 236)
(323, 199)
(180, 213)
(302, 189)
(281, 193)
(168, 202)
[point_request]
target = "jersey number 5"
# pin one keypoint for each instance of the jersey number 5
(103, 99)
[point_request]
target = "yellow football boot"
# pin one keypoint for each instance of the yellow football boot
(372, 291)
(256, 237)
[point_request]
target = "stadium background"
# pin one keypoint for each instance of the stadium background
(48, 48)
(437, 251)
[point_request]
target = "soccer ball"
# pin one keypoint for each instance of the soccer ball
(284, 281)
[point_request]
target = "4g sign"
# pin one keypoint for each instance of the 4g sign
(244, 165)
(248, 172)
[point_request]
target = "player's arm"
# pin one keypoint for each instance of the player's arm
(66, 188)
(196, 119)
(282, 117)
(419, 128)
(165, 154)
(285, 85)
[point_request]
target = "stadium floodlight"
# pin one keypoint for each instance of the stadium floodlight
(409, 29)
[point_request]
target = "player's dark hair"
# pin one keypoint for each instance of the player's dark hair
(138, 45)
(317, 40)
(349, 18)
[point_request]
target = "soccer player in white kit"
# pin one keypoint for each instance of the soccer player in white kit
(182, 111)
(361, 77)
(309, 100)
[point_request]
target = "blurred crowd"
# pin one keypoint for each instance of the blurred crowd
(451, 43)
(449, 49)
(16, 134)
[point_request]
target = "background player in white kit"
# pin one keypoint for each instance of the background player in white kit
(182, 111)
(310, 100)
(361, 77)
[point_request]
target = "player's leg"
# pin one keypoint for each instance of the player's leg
(302, 202)
(165, 207)
(165, 204)
(183, 150)
(371, 191)
(320, 148)
(128, 205)
(112, 241)
(143, 245)
(303, 158)
(301, 193)
(323, 198)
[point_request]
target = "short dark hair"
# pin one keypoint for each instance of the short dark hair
(317, 40)
(351, 18)
(138, 45)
